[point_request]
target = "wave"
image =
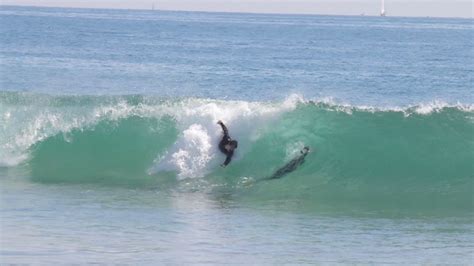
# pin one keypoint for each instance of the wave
(427, 149)
(33, 121)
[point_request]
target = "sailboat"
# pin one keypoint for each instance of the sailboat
(382, 11)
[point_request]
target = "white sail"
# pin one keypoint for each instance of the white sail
(382, 11)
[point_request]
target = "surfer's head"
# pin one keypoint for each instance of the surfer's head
(305, 150)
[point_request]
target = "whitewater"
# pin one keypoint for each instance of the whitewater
(108, 138)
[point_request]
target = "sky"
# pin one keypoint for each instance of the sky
(418, 8)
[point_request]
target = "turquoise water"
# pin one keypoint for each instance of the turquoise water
(108, 138)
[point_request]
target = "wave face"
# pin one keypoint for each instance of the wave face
(137, 140)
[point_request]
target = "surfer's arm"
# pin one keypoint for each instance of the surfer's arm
(224, 128)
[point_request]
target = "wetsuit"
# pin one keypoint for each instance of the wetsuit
(226, 140)
(290, 166)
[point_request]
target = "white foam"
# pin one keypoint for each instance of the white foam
(437, 106)
(195, 152)
(421, 108)
(190, 155)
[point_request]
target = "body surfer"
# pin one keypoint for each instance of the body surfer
(291, 165)
(227, 145)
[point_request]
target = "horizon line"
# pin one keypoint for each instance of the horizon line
(232, 12)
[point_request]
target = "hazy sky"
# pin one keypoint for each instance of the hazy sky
(434, 8)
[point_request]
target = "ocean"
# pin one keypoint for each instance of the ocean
(108, 138)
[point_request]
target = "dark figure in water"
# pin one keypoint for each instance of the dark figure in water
(291, 165)
(227, 145)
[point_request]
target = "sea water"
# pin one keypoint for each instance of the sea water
(108, 138)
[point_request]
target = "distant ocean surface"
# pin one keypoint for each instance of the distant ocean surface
(108, 138)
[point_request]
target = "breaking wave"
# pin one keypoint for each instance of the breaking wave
(426, 149)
